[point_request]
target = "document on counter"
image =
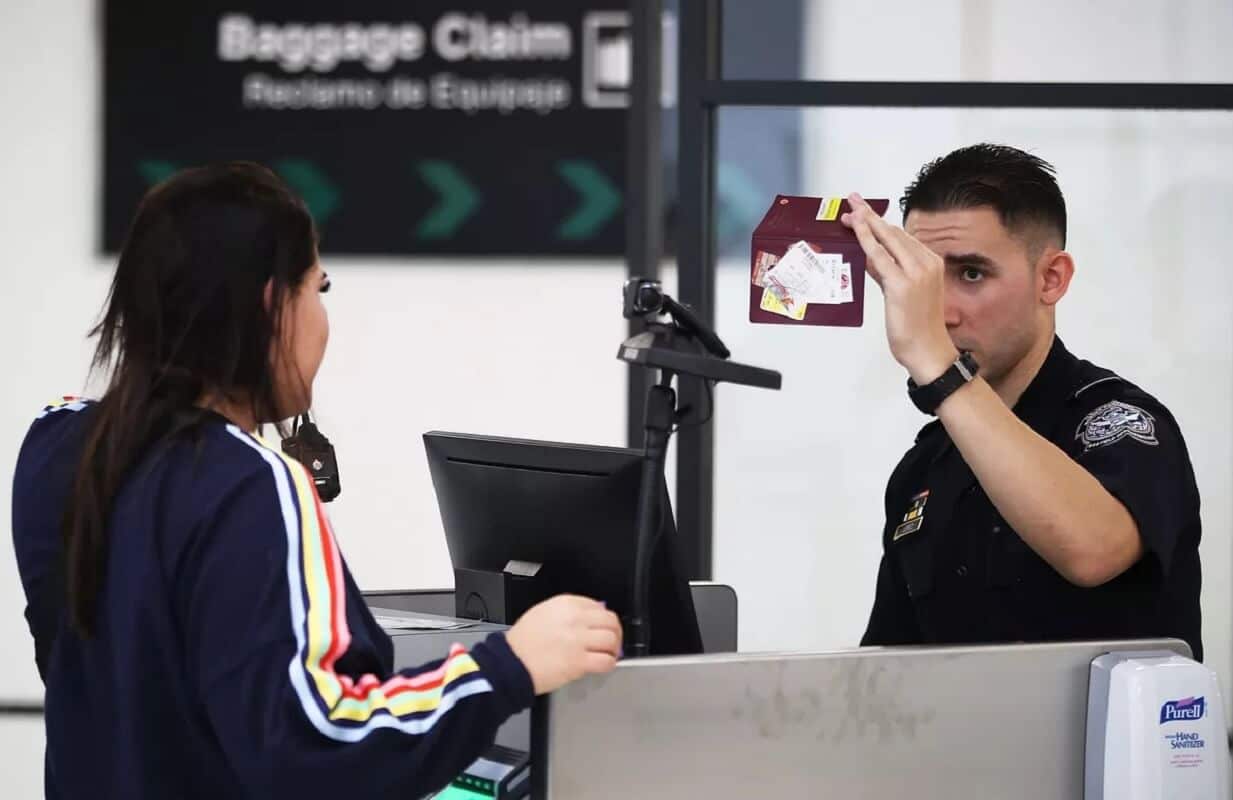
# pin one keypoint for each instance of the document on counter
(421, 623)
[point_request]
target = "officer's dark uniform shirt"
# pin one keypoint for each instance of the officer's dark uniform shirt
(233, 654)
(953, 571)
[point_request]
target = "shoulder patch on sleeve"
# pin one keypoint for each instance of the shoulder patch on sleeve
(1115, 421)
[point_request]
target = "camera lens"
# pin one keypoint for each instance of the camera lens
(650, 298)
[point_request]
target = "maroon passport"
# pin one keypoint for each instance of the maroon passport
(815, 221)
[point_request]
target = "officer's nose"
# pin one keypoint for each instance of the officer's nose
(950, 312)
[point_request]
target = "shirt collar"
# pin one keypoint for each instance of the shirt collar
(1050, 387)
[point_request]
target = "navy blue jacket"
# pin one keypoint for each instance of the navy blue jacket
(233, 654)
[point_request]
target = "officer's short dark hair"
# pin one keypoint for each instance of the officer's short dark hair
(1019, 186)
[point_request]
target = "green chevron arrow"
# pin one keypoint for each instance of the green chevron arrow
(600, 199)
(153, 170)
(310, 183)
(318, 192)
(458, 199)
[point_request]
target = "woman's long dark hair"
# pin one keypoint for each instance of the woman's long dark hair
(187, 317)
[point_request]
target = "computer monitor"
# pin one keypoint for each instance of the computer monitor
(570, 508)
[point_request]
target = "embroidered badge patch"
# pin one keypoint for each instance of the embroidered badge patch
(914, 518)
(1115, 421)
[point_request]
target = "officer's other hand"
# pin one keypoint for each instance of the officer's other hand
(564, 638)
(912, 279)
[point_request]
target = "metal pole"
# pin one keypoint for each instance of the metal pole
(644, 234)
(699, 64)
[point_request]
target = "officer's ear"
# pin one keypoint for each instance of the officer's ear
(1054, 269)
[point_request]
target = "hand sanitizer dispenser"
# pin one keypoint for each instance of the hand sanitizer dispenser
(1155, 730)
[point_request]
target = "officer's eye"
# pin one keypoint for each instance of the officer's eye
(971, 274)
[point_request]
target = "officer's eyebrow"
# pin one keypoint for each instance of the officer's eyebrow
(969, 260)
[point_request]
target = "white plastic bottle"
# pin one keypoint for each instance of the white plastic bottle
(1155, 730)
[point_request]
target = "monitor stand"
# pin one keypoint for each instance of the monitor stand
(500, 597)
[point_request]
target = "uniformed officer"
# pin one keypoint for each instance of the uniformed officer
(1051, 499)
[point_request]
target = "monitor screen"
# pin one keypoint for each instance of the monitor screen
(571, 508)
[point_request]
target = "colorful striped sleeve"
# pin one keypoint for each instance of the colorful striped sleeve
(65, 403)
(424, 725)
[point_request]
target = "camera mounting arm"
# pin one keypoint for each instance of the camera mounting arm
(646, 298)
(687, 347)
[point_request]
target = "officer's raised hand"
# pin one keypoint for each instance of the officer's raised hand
(912, 279)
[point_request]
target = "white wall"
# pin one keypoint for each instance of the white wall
(800, 474)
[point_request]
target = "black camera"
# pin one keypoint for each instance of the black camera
(643, 298)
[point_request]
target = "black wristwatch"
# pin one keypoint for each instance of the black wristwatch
(928, 397)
